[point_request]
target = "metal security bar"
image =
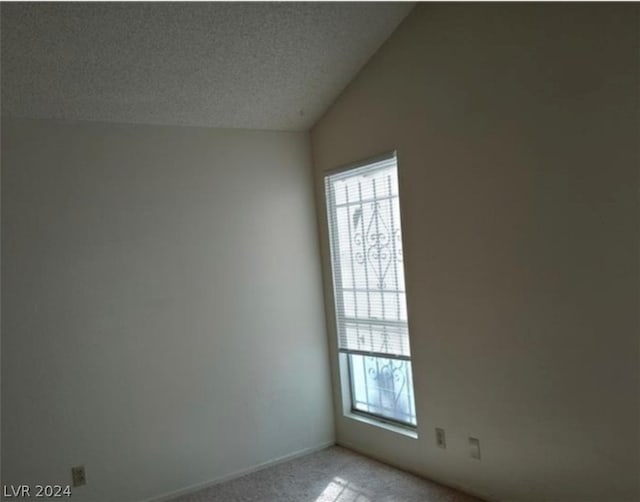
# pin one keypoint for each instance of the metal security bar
(366, 251)
(382, 387)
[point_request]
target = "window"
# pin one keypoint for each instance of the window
(368, 278)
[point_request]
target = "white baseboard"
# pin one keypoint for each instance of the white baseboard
(269, 463)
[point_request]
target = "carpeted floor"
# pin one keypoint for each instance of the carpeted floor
(331, 475)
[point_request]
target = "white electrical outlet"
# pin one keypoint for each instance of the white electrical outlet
(440, 438)
(474, 448)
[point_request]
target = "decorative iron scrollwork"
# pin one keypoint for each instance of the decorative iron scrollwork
(391, 381)
(378, 246)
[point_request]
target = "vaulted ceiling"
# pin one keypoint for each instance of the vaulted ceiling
(240, 65)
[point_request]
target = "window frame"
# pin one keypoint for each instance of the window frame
(344, 355)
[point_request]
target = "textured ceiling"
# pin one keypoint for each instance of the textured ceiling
(241, 65)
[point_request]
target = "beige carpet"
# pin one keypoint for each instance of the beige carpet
(331, 475)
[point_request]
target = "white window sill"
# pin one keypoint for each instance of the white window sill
(383, 425)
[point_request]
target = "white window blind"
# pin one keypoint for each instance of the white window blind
(366, 251)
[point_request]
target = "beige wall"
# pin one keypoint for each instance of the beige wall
(162, 304)
(516, 131)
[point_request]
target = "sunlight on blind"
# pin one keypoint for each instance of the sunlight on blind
(366, 251)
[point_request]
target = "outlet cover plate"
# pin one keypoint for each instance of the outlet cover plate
(474, 448)
(78, 476)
